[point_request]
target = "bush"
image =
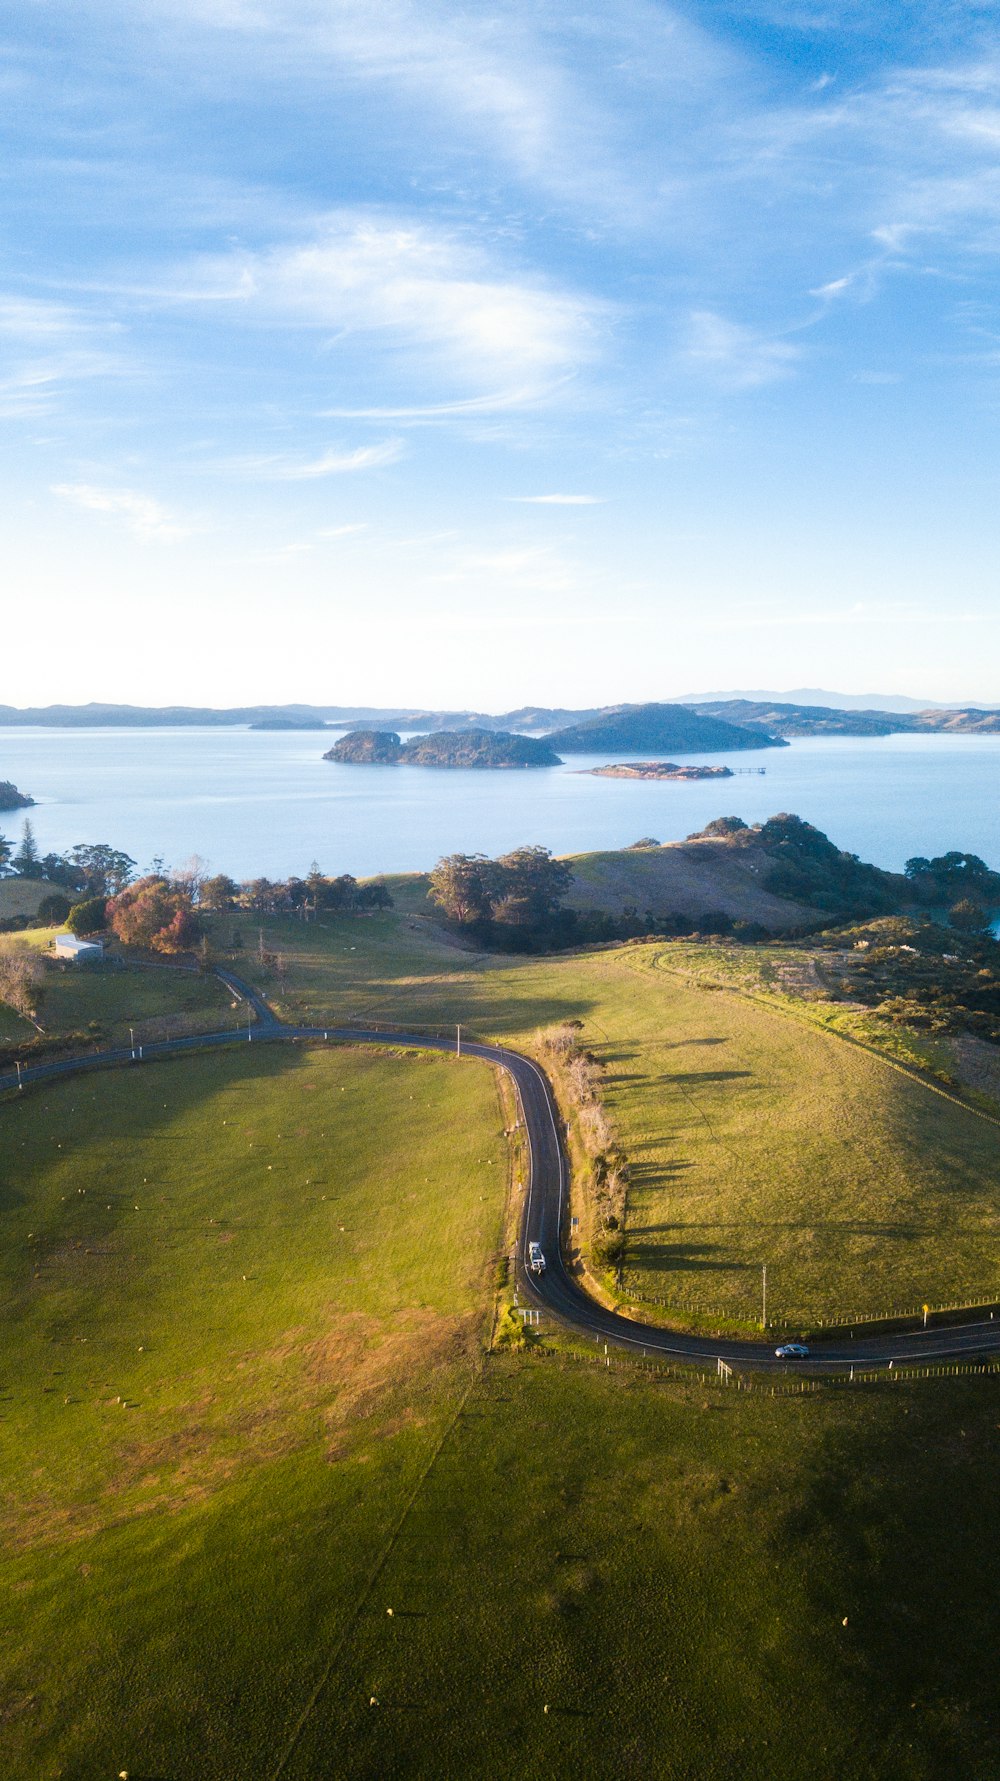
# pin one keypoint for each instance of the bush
(88, 917)
(608, 1249)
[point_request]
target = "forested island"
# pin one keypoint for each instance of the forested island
(657, 770)
(12, 799)
(445, 748)
(672, 728)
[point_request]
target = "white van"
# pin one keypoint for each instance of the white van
(536, 1260)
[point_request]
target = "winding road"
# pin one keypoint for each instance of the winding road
(555, 1291)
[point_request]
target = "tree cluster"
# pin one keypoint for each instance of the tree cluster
(92, 869)
(315, 894)
(154, 915)
(953, 880)
(517, 897)
(806, 867)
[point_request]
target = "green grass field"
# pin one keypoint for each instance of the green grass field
(753, 1136)
(244, 1409)
(100, 1003)
(241, 1298)
(697, 1585)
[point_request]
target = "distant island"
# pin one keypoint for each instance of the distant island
(657, 770)
(12, 799)
(289, 723)
(445, 748)
(670, 728)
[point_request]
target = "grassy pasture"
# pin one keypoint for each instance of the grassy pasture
(697, 1585)
(22, 896)
(753, 1137)
(101, 1002)
(217, 1486)
(240, 1297)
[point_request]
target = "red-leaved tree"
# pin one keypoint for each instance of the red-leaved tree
(154, 914)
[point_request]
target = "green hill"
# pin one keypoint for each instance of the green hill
(666, 729)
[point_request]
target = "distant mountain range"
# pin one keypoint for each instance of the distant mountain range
(815, 695)
(649, 726)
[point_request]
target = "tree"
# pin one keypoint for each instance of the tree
(531, 885)
(21, 971)
(374, 896)
(103, 871)
(262, 895)
(969, 917)
(720, 829)
(26, 859)
(53, 910)
(88, 917)
(219, 893)
(156, 914)
(464, 885)
(6, 852)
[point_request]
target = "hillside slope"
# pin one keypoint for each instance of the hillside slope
(691, 878)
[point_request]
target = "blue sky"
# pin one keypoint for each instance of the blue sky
(418, 352)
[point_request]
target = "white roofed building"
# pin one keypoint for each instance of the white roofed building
(71, 948)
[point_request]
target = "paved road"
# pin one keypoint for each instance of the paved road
(555, 1291)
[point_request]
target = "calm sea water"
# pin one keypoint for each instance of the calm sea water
(265, 802)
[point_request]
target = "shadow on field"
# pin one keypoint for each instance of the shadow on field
(692, 1078)
(900, 1508)
(689, 1257)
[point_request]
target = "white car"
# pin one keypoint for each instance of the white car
(536, 1260)
(792, 1351)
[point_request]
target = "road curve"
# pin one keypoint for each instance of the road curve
(554, 1291)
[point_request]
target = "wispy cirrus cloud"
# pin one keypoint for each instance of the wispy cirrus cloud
(558, 500)
(45, 347)
(409, 285)
(146, 517)
(278, 468)
(735, 356)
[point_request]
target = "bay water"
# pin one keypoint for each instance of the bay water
(264, 803)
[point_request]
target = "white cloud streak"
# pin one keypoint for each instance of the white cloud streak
(558, 500)
(147, 518)
(412, 285)
(329, 463)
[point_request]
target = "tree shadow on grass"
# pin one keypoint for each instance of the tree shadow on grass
(700, 1258)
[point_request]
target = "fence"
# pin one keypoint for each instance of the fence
(731, 1314)
(761, 1383)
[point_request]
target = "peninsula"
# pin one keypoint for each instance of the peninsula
(12, 799)
(445, 748)
(656, 770)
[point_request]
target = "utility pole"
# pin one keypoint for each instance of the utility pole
(131, 1041)
(260, 946)
(17, 1067)
(763, 1296)
(458, 1041)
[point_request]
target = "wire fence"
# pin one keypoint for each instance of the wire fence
(804, 1320)
(763, 1384)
